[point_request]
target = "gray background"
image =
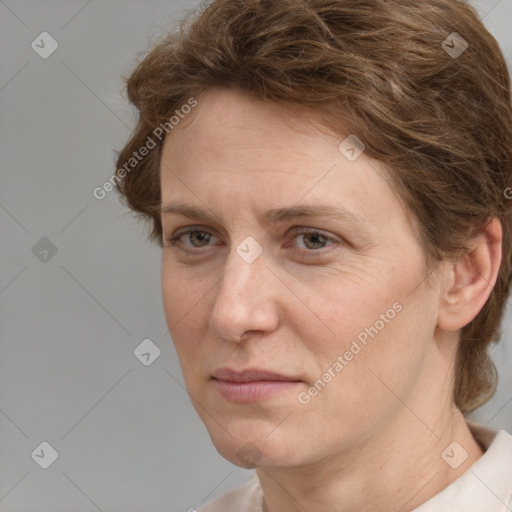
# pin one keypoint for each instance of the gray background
(127, 436)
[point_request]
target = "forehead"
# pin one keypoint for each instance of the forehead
(229, 125)
(234, 133)
(235, 151)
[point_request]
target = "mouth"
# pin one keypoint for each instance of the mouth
(251, 385)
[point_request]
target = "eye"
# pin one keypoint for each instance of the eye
(199, 236)
(316, 238)
(315, 242)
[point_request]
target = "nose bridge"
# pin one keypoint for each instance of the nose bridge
(246, 272)
(244, 297)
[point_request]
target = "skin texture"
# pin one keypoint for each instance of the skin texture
(372, 438)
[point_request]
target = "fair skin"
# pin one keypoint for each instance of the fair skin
(372, 438)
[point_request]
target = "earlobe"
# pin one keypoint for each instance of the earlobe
(471, 279)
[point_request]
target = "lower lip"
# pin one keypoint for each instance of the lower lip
(251, 391)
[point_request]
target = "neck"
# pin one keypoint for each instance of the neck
(399, 468)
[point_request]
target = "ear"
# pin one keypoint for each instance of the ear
(471, 279)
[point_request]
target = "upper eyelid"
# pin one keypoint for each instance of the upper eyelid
(188, 229)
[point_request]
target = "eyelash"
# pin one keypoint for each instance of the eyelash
(301, 231)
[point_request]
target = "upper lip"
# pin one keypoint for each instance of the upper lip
(249, 375)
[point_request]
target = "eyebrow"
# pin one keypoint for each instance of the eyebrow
(276, 215)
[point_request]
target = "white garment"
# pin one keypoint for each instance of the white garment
(486, 486)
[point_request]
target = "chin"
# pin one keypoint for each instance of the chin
(249, 445)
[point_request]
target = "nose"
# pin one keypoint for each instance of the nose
(247, 299)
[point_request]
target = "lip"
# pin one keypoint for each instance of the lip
(251, 385)
(249, 375)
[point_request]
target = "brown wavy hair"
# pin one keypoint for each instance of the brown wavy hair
(379, 69)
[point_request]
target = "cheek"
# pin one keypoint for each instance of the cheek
(182, 294)
(369, 318)
(341, 304)
(382, 369)
(181, 298)
(368, 386)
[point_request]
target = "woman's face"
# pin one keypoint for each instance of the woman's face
(335, 303)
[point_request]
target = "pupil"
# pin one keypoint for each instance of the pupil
(201, 236)
(316, 237)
